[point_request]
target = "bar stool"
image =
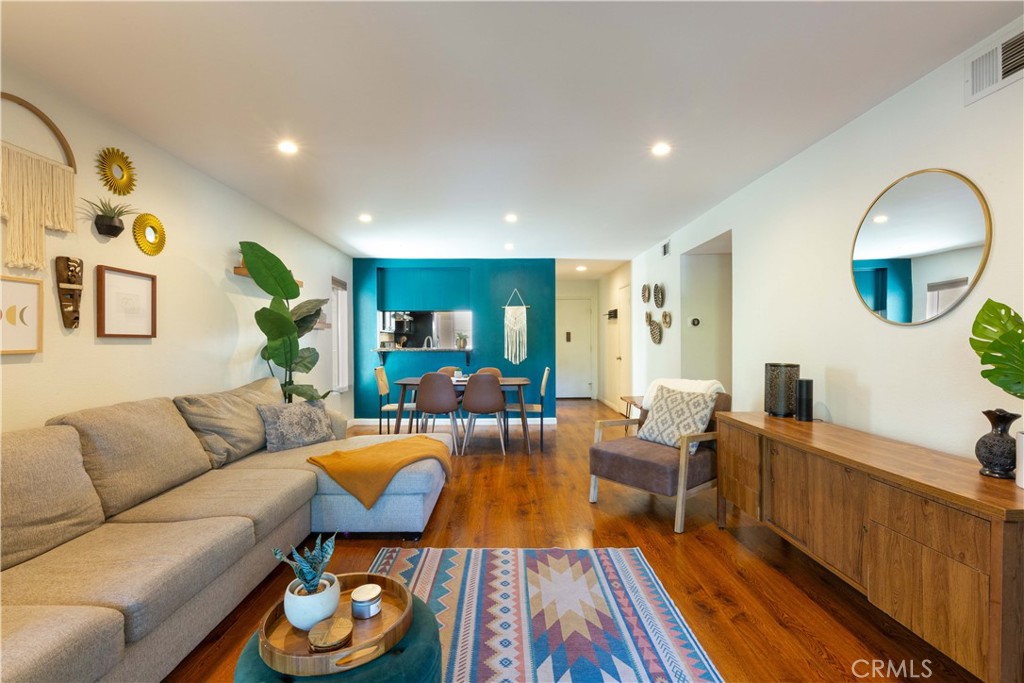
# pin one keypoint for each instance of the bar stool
(384, 389)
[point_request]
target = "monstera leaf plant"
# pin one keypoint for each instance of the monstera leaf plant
(999, 342)
(282, 323)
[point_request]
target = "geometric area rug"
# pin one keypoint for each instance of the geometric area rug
(520, 615)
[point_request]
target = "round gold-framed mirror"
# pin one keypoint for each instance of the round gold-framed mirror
(921, 247)
(116, 171)
(149, 234)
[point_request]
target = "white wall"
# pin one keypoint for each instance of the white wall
(793, 298)
(207, 338)
(614, 342)
(586, 290)
(705, 294)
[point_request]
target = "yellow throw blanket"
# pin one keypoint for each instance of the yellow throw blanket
(366, 472)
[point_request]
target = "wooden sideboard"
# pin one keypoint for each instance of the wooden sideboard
(926, 538)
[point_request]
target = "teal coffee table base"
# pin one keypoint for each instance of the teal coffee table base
(416, 658)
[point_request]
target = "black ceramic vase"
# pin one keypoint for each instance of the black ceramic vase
(997, 450)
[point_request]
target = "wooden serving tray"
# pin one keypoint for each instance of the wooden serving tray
(286, 649)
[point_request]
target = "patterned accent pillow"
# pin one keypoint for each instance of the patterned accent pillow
(675, 413)
(290, 425)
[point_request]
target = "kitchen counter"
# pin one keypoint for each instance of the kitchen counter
(382, 351)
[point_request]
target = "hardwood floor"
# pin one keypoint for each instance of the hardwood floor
(762, 610)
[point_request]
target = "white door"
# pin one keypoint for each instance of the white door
(574, 348)
(623, 355)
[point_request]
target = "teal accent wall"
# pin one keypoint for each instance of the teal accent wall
(886, 284)
(482, 286)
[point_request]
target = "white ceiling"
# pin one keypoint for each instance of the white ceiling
(438, 118)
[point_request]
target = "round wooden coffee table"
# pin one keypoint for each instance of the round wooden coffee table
(416, 658)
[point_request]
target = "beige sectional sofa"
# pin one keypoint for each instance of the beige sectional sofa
(127, 535)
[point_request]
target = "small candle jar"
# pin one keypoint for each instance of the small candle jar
(366, 601)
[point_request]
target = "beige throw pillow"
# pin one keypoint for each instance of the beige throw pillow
(47, 498)
(228, 423)
(675, 413)
(133, 451)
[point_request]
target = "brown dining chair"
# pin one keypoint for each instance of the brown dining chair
(489, 371)
(436, 396)
(513, 407)
(484, 397)
(384, 394)
(450, 371)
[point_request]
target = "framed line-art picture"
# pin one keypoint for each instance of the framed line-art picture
(21, 307)
(125, 303)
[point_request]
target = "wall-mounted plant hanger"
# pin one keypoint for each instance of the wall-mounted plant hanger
(515, 329)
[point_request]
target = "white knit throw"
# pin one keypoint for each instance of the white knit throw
(515, 334)
(36, 194)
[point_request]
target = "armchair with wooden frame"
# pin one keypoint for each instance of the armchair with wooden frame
(655, 467)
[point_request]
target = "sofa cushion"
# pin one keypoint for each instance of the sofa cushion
(47, 644)
(265, 497)
(144, 571)
(293, 425)
(650, 466)
(227, 423)
(417, 478)
(133, 451)
(46, 498)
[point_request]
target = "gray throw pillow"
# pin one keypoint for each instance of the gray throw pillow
(290, 425)
(675, 413)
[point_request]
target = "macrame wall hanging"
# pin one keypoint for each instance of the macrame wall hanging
(36, 194)
(515, 329)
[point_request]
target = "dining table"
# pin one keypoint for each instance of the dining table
(517, 383)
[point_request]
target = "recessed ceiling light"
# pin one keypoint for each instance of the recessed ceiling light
(511, 218)
(509, 246)
(660, 149)
(880, 219)
(365, 218)
(580, 269)
(287, 147)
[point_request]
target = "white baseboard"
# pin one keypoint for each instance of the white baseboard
(617, 406)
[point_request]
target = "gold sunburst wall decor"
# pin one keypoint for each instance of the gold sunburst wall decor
(116, 171)
(149, 234)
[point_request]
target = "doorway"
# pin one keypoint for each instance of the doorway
(574, 348)
(706, 311)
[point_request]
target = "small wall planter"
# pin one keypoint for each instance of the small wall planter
(108, 226)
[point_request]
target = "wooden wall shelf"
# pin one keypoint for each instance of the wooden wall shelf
(244, 272)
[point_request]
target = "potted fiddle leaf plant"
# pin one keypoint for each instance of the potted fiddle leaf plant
(999, 342)
(107, 216)
(314, 594)
(282, 323)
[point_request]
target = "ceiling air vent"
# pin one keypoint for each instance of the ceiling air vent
(994, 64)
(665, 250)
